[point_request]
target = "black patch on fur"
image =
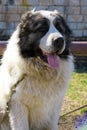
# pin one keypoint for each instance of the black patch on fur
(63, 28)
(32, 28)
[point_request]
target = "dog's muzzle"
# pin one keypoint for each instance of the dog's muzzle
(53, 46)
(52, 43)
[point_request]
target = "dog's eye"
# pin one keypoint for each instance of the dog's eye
(41, 26)
(59, 26)
(58, 23)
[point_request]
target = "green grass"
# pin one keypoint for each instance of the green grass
(78, 86)
(77, 93)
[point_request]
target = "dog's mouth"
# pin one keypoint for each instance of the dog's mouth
(50, 59)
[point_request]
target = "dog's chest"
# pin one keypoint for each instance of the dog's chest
(40, 98)
(37, 94)
(36, 91)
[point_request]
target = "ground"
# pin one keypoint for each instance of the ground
(67, 123)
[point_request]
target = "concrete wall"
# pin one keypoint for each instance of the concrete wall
(75, 12)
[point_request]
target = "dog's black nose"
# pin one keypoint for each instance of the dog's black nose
(58, 42)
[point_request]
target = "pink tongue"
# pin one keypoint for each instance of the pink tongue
(53, 60)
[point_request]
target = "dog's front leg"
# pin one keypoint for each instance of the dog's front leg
(18, 116)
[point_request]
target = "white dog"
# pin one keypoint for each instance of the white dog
(35, 71)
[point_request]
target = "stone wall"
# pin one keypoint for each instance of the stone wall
(75, 12)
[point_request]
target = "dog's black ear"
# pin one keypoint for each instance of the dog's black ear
(24, 27)
(24, 35)
(28, 38)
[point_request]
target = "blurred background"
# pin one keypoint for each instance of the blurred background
(75, 12)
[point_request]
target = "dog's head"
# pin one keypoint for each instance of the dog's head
(44, 34)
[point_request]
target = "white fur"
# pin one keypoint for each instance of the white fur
(38, 97)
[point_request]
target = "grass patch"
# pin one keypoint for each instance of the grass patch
(77, 93)
(78, 87)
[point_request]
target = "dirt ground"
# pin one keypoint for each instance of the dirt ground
(67, 123)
